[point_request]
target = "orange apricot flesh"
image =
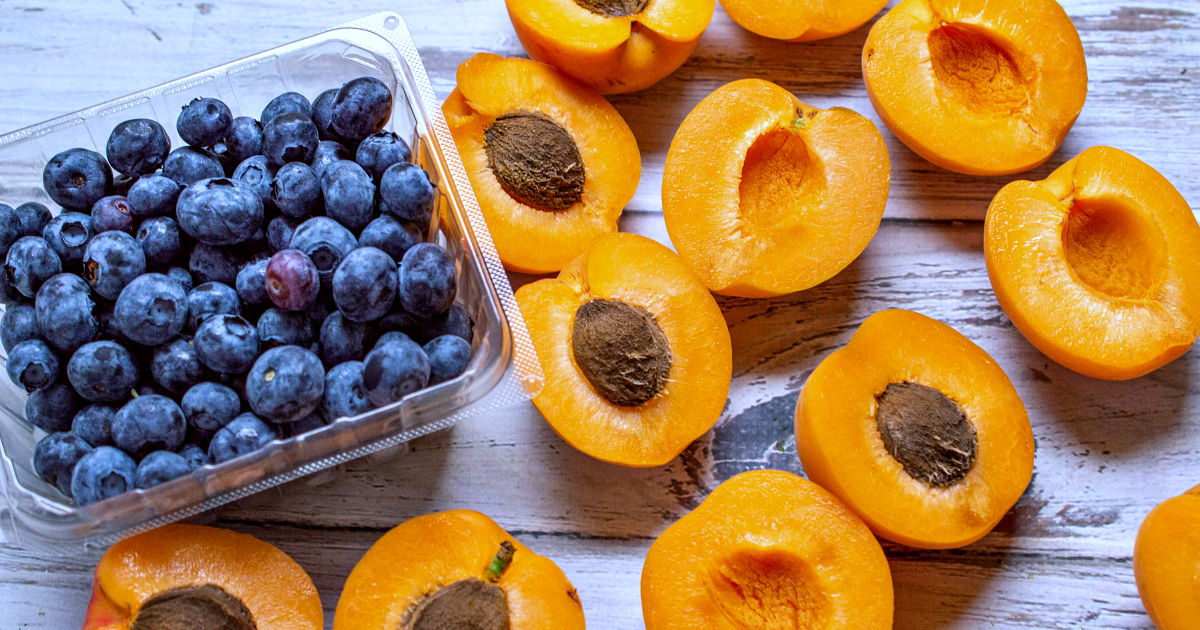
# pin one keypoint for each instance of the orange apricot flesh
(764, 195)
(1166, 562)
(802, 20)
(978, 87)
(1096, 265)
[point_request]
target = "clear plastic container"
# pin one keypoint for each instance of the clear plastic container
(503, 368)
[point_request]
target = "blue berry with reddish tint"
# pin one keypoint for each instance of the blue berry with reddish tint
(292, 280)
(29, 263)
(64, 309)
(328, 152)
(188, 165)
(138, 147)
(93, 424)
(341, 339)
(252, 282)
(407, 193)
(326, 242)
(428, 280)
(285, 384)
(364, 285)
(55, 456)
(390, 235)
(33, 217)
(161, 241)
(286, 103)
(112, 213)
(151, 310)
(244, 139)
(227, 344)
(111, 261)
(211, 298)
(448, 358)
(220, 211)
(104, 473)
(210, 406)
(204, 122)
(361, 107)
(33, 365)
(280, 231)
(277, 327)
(176, 366)
(160, 467)
(246, 434)
(153, 196)
(322, 114)
(210, 263)
(393, 371)
(345, 395)
(349, 194)
(194, 455)
(149, 423)
(10, 228)
(379, 151)
(52, 409)
(68, 234)
(77, 178)
(296, 190)
(455, 322)
(103, 371)
(181, 276)
(18, 324)
(289, 138)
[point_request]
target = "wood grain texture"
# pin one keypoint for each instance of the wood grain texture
(1107, 452)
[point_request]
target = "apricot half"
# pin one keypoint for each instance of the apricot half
(1096, 265)
(552, 163)
(188, 576)
(1166, 562)
(764, 195)
(917, 430)
(770, 551)
(455, 570)
(983, 87)
(636, 353)
(802, 20)
(615, 46)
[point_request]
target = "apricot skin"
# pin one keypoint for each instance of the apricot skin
(1166, 562)
(802, 20)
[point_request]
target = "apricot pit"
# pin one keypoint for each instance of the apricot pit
(535, 160)
(927, 433)
(208, 607)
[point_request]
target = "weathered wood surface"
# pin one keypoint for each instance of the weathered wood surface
(1106, 452)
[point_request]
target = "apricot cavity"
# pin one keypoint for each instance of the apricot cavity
(801, 20)
(1166, 561)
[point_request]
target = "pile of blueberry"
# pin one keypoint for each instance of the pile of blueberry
(264, 280)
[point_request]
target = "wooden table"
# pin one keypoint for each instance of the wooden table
(1107, 452)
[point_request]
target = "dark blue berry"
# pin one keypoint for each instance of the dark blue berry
(204, 122)
(246, 434)
(286, 103)
(102, 474)
(93, 424)
(188, 165)
(345, 396)
(153, 196)
(252, 282)
(341, 339)
(112, 213)
(77, 178)
(292, 280)
(138, 147)
(285, 384)
(244, 139)
(380, 150)
(210, 406)
(111, 261)
(349, 194)
(64, 310)
(361, 107)
(296, 190)
(160, 467)
(8, 293)
(176, 366)
(34, 217)
(227, 343)
(18, 324)
(147, 424)
(30, 262)
(152, 309)
(394, 371)
(258, 175)
(161, 241)
(364, 285)
(391, 235)
(311, 422)
(289, 138)
(455, 322)
(322, 113)
(448, 358)
(194, 455)
(52, 409)
(122, 184)
(277, 327)
(33, 365)
(326, 242)
(407, 193)
(10, 228)
(428, 280)
(55, 457)
(220, 211)
(182, 276)
(391, 336)
(279, 232)
(210, 263)
(103, 371)
(68, 234)
(328, 152)
(211, 298)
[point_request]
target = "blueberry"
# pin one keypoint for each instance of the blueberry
(277, 327)
(246, 434)
(448, 358)
(292, 280)
(389, 337)
(102, 474)
(176, 366)
(194, 455)
(211, 298)
(52, 409)
(152, 309)
(18, 324)
(394, 371)
(407, 193)
(33, 365)
(322, 308)
(311, 422)
(55, 457)
(296, 190)
(279, 232)
(252, 282)
(11, 228)
(326, 242)
(122, 184)
(361, 107)
(209, 263)
(328, 152)
(258, 175)
(147, 424)
(30, 262)
(349, 194)
(204, 122)
(289, 138)
(153, 196)
(111, 261)
(220, 211)
(64, 310)
(364, 285)
(160, 467)
(345, 396)
(34, 217)
(341, 339)
(286, 103)
(161, 241)
(322, 112)
(93, 424)
(112, 213)
(244, 139)
(77, 178)
(68, 234)
(103, 371)
(188, 165)
(151, 389)
(428, 281)
(9, 294)
(285, 384)
(227, 343)
(138, 147)
(455, 322)
(210, 406)
(381, 150)
(392, 236)
(181, 276)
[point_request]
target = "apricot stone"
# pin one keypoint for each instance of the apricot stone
(802, 20)
(977, 87)
(1166, 561)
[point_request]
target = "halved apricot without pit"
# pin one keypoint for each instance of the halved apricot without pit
(188, 576)
(978, 87)
(615, 46)
(918, 430)
(770, 551)
(552, 163)
(455, 570)
(802, 20)
(1096, 265)
(635, 350)
(764, 195)
(1166, 561)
